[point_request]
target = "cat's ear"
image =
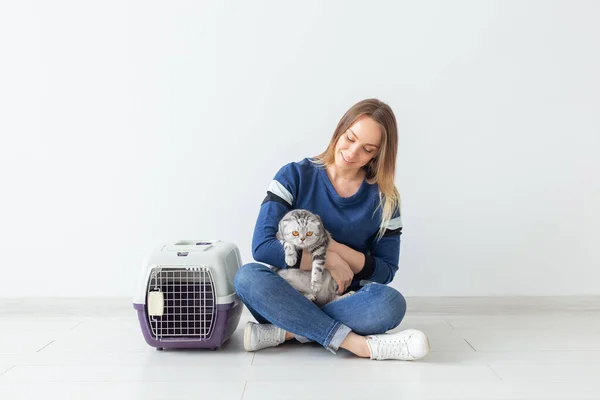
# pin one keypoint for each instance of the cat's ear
(319, 220)
(281, 225)
(285, 220)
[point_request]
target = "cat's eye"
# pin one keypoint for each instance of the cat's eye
(295, 233)
(308, 233)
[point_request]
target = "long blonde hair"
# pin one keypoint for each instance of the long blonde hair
(382, 168)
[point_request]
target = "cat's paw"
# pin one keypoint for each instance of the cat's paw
(310, 296)
(291, 259)
(315, 287)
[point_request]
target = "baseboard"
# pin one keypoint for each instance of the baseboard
(498, 305)
(417, 305)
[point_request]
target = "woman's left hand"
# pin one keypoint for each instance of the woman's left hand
(340, 271)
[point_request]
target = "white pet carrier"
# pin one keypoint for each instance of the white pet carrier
(186, 297)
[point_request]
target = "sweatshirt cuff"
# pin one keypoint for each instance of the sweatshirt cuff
(368, 269)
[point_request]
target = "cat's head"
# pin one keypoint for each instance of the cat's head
(301, 228)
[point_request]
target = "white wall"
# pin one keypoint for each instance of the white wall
(128, 123)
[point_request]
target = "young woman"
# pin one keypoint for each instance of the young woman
(351, 187)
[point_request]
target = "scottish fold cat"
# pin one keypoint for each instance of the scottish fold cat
(299, 230)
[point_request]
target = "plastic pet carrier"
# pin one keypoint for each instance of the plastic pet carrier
(186, 297)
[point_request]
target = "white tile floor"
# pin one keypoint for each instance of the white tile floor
(94, 350)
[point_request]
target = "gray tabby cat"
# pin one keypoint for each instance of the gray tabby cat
(301, 229)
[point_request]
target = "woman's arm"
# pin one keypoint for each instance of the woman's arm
(380, 264)
(339, 269)
(266, 247)
(355, 259)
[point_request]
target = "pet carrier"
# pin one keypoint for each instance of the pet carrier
(186, 297)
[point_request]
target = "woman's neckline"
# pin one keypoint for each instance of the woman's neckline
(348, 199)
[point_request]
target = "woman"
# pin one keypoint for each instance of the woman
(351, 187)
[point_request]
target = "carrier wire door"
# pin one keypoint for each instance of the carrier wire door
(189, 303)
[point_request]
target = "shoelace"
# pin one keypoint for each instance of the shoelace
(392, 348)
(269, 334)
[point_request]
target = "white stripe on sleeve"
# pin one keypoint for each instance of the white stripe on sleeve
(278, 189)
(395, 223)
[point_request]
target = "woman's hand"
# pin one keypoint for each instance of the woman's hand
(340, 271)
(338, 268)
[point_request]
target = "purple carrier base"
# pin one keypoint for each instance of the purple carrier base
(227, 320)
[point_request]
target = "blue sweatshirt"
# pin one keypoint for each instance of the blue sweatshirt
(353, 221)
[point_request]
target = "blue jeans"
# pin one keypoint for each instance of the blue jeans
(374, 309)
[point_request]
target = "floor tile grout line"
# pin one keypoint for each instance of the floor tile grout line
(244, 391)
(252, 362)
(470, 345)
(11, 367)
(491, 369)
(79, 323)
(46, 346)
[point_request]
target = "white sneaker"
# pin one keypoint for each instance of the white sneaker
(259, 336)
(407, 345)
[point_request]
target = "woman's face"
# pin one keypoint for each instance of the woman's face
(358, 145)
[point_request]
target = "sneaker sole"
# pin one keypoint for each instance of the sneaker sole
(247, 336)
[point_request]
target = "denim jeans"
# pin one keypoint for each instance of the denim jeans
(374, 309)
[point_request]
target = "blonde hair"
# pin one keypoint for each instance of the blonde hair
(382, 168)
